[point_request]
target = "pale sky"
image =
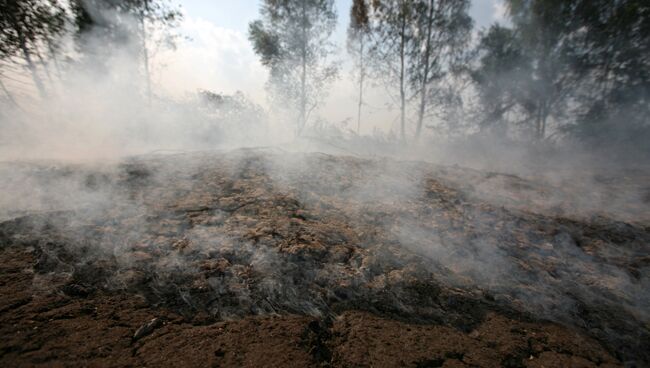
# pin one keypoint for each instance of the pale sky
(220, 58)
(236, 14)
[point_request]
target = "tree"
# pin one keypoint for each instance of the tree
(545, 27)
(588, 63)
(394, 33)
(532, 69)
(156, 17)
(358, 37)
(442, 33)
(104, 25)
(501, 76)
(292, 41)
(615, 63)
(26, 27)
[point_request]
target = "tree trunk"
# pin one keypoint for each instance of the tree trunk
(145, 52)
(542, 134)
(303, 76)
(402, 91)
(538, 122)
(361, 77)
(425, 72)
(32, 68)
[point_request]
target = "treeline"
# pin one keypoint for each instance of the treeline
(556, 69)
(560, 68)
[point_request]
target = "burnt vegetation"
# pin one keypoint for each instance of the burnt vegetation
(498, 215)
(254, 233)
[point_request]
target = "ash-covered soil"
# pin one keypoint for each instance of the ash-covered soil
(266, 258)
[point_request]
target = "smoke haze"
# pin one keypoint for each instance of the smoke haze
(202, 198)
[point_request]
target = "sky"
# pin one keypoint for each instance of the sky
(218, 47)
(236, 14)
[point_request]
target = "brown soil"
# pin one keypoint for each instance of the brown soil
(60, 330)
(241, 260)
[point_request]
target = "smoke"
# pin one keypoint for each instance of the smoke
(106, 116)
(121, 193)
(98, 108)
(266, 231)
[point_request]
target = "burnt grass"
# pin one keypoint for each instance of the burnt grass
(260, 257)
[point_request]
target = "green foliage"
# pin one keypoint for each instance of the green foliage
(359, 18)
(441, 37)
(265, 44)
(27, 29)
(232, 112)
(359, 33)
(292, 40)
(582, 65)
(615, 101)
(114, 23)
(417, 45)
(501, 77)
(392, 30)
(30, 24)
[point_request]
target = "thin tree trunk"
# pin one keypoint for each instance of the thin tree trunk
(544, 99)
(402, 91)
(32, 68)
(361, 77)
(303, 76)
(145, 52)
(303, 97)
(425, 73)
(542, 134)
(538, 123)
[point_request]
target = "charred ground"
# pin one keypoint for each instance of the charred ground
(262, 257)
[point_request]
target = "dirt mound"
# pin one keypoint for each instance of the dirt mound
(259, 257)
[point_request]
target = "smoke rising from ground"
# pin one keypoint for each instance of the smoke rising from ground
(163, 198)
(272, 232)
